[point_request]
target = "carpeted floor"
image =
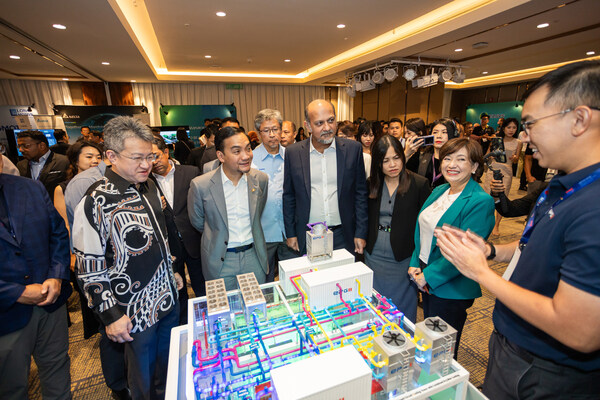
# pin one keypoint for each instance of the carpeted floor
(88, 382)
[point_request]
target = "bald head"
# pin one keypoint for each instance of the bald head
(321, 123)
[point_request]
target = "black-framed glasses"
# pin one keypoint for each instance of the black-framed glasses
(150, 158)
(267, 131)
(528, 124)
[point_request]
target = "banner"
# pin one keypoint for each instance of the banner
(508, 109)
(7, 119)
(193, 116)
(95, 117)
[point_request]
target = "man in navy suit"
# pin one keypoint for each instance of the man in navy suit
(34, 288)
(324, 180)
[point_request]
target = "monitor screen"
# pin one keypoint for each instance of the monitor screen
(170, 136)
(49, 133)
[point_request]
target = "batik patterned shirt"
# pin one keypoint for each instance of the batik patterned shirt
(124, 265)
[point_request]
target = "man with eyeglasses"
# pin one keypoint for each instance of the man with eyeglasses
(40, 163)
(268, 158)
(546, 342)
(124, 263)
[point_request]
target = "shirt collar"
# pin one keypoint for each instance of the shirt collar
(122, 184)
(42, 159)
(225, 179)
(262, 152)
(568, 181)
(312, 148)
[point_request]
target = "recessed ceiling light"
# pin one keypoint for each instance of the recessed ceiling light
(457, 50)
(221, 14)
(544, 25)
(15, 57)
(59, 26)
(105, 63)
(484, 73)
(589, 53)
(207, 56)
(65, 79)
(287, 60)
(133, 80)
(341, 26)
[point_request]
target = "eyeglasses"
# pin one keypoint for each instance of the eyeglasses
(150, 158)
(270, 130)
(528, 124)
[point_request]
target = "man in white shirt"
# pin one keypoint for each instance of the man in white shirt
(226, 205)
(324, 180)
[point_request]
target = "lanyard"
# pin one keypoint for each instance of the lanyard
(570, 192)
(434, 176)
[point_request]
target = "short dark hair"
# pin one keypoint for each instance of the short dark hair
(84, 126)
(59, 135)
(450, 125)
(74, 151)
(226, 133)
(416, 125)
(293, 125)
(347, 128)
(209, 131)
(396, 120)
(571, 85)
(160, 143)
(473, 150)
(230, 119)
(34, 135)
(97, 134)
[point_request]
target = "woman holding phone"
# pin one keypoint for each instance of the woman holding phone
(395, 198)
(442, 131)
(462, 203)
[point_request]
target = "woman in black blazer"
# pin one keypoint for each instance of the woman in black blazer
(395, 199)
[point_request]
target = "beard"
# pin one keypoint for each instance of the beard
(323, 140)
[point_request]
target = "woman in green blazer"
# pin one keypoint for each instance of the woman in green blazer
(462, 203)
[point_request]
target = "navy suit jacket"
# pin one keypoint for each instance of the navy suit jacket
(38, 251)
(351, 191)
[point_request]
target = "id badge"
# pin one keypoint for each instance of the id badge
(512, 264)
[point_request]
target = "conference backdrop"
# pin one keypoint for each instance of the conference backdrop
(95, 117)
(193, 116)
(509, 109)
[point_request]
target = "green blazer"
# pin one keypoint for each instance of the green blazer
(474, 210)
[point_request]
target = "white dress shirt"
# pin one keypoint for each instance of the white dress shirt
(167, 183)
(323, 186)
(36, 166)
(238, 211)
(428, 220)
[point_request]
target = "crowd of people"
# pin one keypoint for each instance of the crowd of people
(403, 196)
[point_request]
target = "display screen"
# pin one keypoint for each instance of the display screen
(169, 133)
(49, 133)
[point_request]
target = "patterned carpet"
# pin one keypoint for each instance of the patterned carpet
(88, 382)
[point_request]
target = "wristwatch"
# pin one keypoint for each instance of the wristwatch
(492, 251)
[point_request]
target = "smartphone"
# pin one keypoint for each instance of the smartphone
(427, 140)
(497, 145)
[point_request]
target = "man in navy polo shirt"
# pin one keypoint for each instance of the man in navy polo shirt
(547, 316)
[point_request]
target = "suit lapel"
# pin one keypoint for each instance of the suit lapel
(177, 188)
(340, 162)
(253, 191)
(45, 168)
(305, 162)
(216, 191)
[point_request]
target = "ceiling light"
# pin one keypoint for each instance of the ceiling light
(15, 57)
(133, 80)
(221, 14)
(484, 73)
(207, 56)
(390, 74)
(367, 84)
(458, 76)
(105, 63)
(409, 73)
(457, 50)
(350, 91)
(445, 75)
(65, 79)
(341, 26)
(59, 26)
(287, 60)
(589, 53)
(429, 79)
(378, 77)
(544, 25)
